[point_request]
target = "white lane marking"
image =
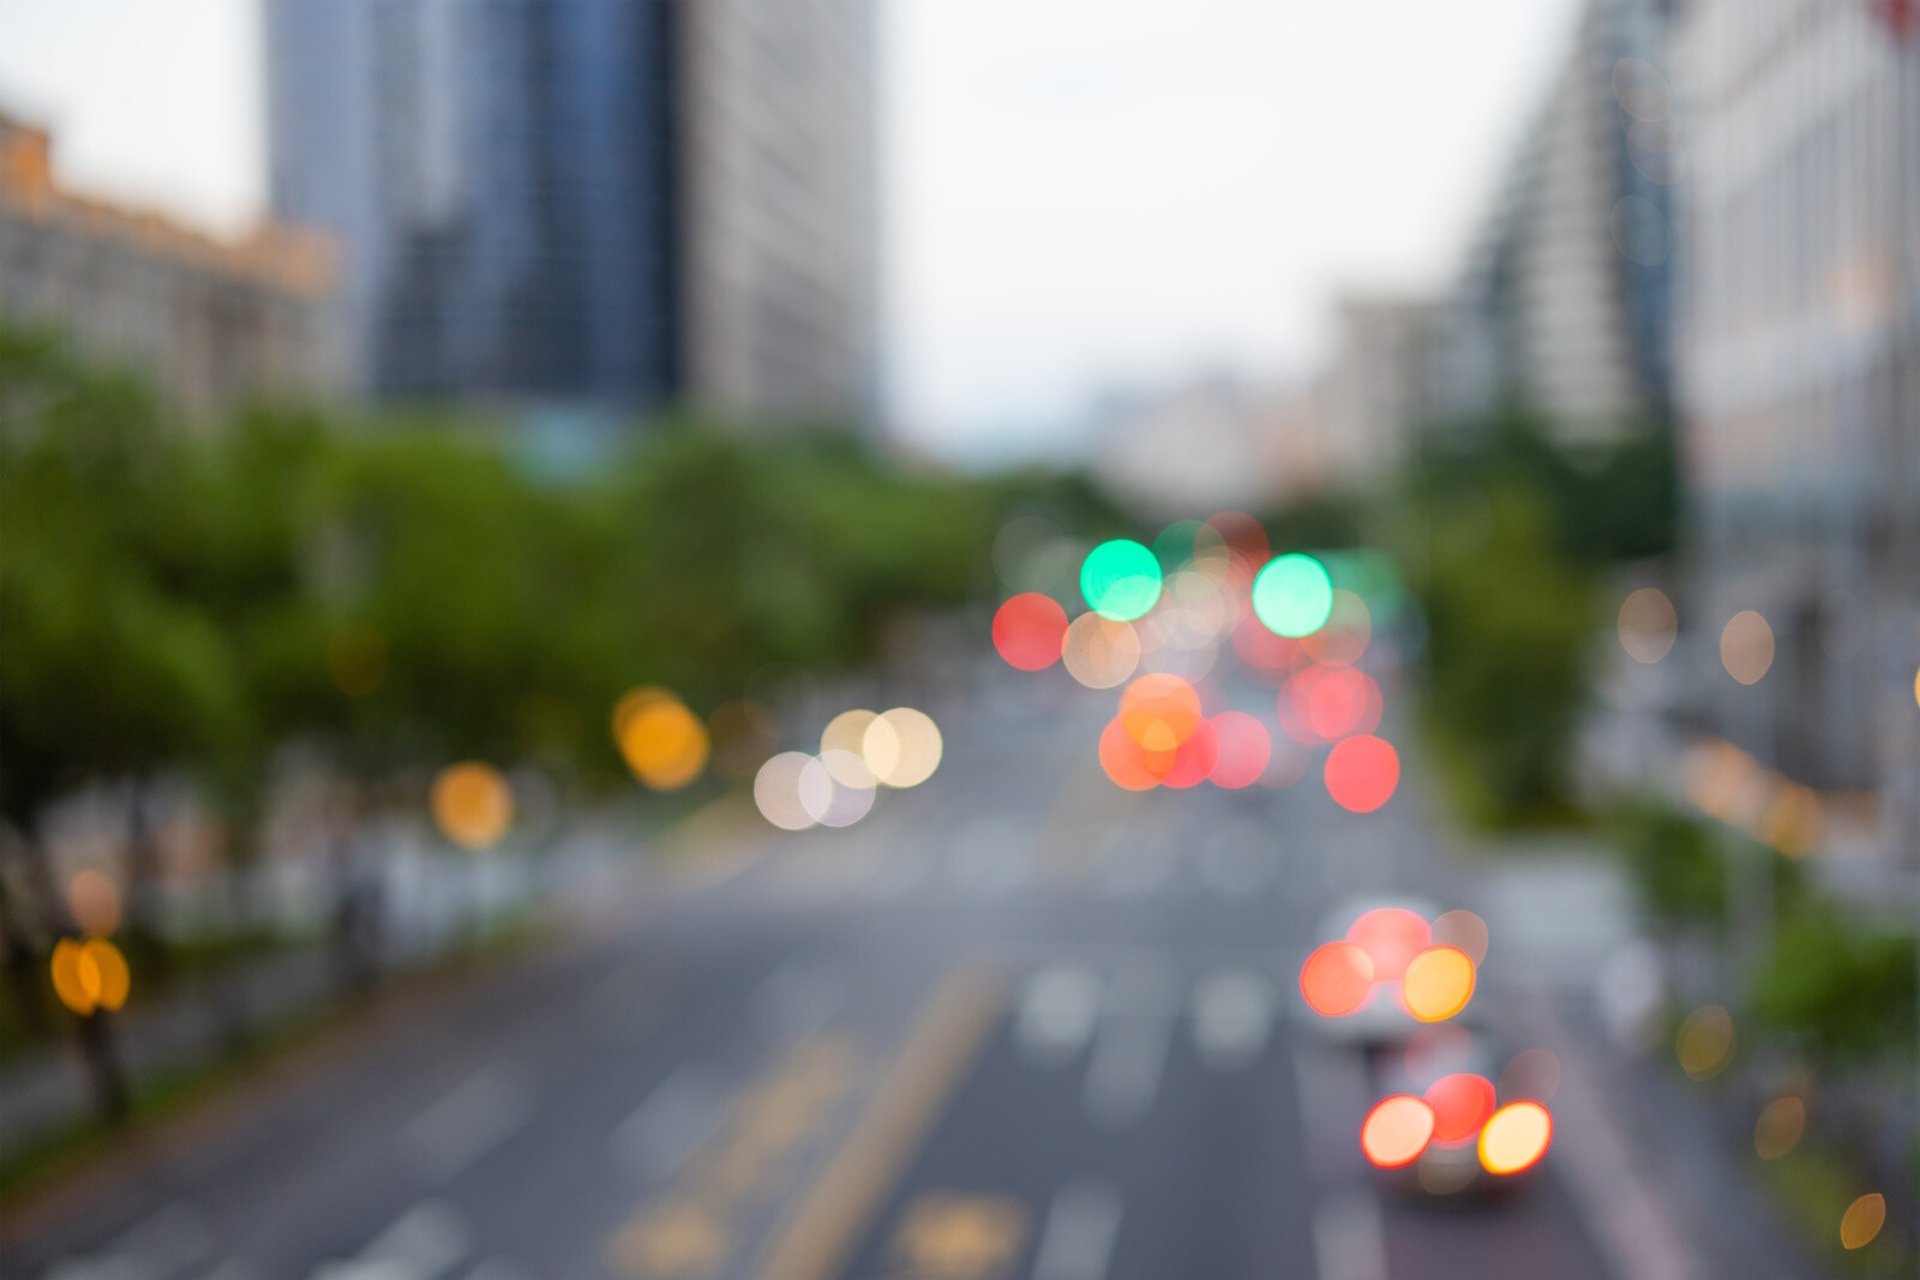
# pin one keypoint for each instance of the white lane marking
(472, 1119)
(1083, 1221)
(421, 1244)
(1349, 1241)
(800, 996)
(1232, 1017)
(1058, 1012)
(669, 1124)
(1332, 1091)
(1130, 1051)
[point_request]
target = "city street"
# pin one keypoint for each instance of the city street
(1017, 1022)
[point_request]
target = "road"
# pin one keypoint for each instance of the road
(1015, 1023)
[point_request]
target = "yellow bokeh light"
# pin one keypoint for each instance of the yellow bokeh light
(1515, 1138)
(1779, 1127)
(472, 804)
(1862, 1221)
(1705, 1042)
(1916, 686)
(841, 745)
(1746, 647)
(1100, 653)
(94, 901)
(1648, 625)
(903, 747)
(663, 742)
(90, 976)
(1438, 983)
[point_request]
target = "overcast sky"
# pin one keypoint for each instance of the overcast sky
(1081, 194)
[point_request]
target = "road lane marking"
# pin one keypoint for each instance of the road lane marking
(1130, 1051)
(1349, 1240)
(690, 1228)
(1059, 1009)
(423, 1243)
(1083, 1221)
(669, 1125)
(470, 1120)
(1232, 1017)
(955, 1236)
(814, 1241)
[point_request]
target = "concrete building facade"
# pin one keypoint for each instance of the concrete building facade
(210, 322)
(613, 203)
(1564, 304)
(1799, 377)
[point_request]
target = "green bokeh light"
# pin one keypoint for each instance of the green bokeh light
(1120, 580)
(1293, 596)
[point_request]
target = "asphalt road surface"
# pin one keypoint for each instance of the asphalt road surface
(1014, 1023)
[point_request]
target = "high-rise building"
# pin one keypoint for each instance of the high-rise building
(1799, 381)
(1565, 304)
(590, 202)
(212, 322)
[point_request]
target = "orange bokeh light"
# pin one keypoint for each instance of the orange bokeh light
(1396, 1132)
(1461, 1104)
(1160, 712)
(1515, 1138)
(1438, 983)
(1123, 760)
(1391, 937)
(1337, 979)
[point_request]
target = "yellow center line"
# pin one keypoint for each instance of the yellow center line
(814, 1242)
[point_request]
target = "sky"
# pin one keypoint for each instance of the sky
(1079, 196)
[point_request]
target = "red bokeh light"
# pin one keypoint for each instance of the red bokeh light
(1362, 773)
(1391, 936)
(1461, 1104)
(1245, 749)
(1397, 1131)
(1123, 759)
(1337, 979)
(1029, 631)
(1195, 759)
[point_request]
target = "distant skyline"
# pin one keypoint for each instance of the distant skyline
(1080, 195)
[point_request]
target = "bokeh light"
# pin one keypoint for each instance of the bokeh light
(1704, 1043)
(1362, 772)
(1916, 686)
(1326, 703)
(1124, 760)
(1746, 647)
(1293, 596)
(776, 791)
(90, 976)
(902, 747)
(1348, 630)
(1337, 979)
(1648, 625)
(1396, 1132)
(1391, 937)
(1028, 630)
(1515, 1138)
(1120, 579)
(1160, 712)
(356, 659)
(1437, 984)
(1244, 750)
(1101, 653)
(663, 742)
(1465, 930)
(836, 788)
(472, 804)
(846, 735)
(1862, 1221)
(1461, 1104)
(1192, 762)
(1778, 1129)
(94, 901)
